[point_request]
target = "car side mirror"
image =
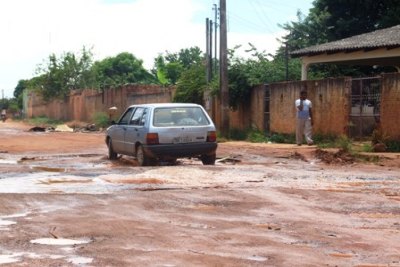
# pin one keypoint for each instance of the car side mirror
(113, 122)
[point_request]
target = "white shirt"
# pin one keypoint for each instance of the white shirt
(305, 113)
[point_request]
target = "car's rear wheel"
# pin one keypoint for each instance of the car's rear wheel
(112, 155)
(208, 159)
(143, 159)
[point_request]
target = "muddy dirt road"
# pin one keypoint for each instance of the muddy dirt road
(62, 203)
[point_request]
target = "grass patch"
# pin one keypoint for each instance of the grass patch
(392, 146)
(283, 138)
(250, 135)
(101, 119)
(256, 136)
(44, 121)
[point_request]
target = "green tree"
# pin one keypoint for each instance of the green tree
(170, 67)
(331, 20)
(21, 86)
(121, 69)
(257, 68)
(191, 85)
(68, 72)
(18, 92)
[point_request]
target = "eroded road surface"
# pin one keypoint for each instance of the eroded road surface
(62, 203)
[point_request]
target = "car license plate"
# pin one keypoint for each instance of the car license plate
(182, 139)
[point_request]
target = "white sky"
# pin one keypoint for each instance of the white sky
(31, 30)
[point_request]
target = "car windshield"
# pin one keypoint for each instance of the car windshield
(179, 116)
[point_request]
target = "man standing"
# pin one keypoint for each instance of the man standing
(304, 119)
(3, 114)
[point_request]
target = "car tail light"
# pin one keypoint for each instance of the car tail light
(211, 136)
(152, 139)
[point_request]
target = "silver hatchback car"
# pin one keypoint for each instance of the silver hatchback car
(154, 132)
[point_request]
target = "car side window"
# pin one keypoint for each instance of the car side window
(126, 117)
(139, 117)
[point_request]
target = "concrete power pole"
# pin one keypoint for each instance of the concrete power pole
(223, 57)
(208, 71)
(211, 49)
(215, 8)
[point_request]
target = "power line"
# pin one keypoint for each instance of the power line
(261, 14)
(248, 23)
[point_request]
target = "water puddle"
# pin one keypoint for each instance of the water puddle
(4, 223)
(59, 241)
(8, 161)
(80, 260)
(10, 258)
(257, 258)
(17, 215)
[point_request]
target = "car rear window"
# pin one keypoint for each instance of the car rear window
(179, 116)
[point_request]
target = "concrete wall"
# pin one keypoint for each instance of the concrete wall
(390, 105)
(257, 107)
(238, 119)
(81, 105)
(330, 99)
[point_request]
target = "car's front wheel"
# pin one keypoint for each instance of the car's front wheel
(208, 159)
(112, 155)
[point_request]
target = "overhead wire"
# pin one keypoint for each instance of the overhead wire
(261, 14)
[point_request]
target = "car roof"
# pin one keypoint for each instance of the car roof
(163, 105)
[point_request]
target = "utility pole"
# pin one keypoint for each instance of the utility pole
(211, 48)
(223, 57)
(216, 36)
(208, 71)
(287, 60)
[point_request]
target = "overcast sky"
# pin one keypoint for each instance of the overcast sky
(32, 30)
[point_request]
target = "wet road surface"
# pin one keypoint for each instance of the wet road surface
(76, 208)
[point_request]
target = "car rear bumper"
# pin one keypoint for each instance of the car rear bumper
(180, 150)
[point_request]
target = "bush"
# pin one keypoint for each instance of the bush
(236, 134)
(393, 146)
(283, 138)
(345, 143)
(44, 121)
(101, 119)
(367, 148)
(256, 136)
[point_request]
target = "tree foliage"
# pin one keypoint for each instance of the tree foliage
(170, 67)
(257, 68)
(191, 85)
(331, 20)
(122, 69)
(59, 75)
